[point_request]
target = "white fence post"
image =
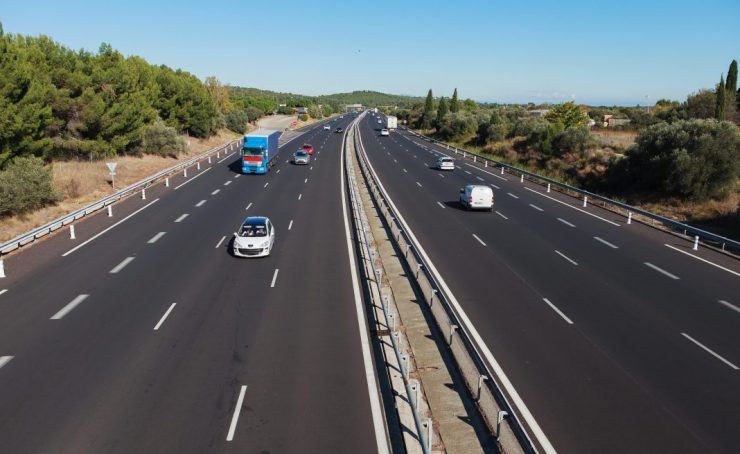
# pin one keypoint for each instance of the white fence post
(197, 165)
(2, 269)
(585, 200)
(167, 182)
(185, 173)
(696, 242)
(72, 232)
(521, 179)
(209, 159)
(502, 170)
(110, 211)
(143, 194)
(548, 187)
(629, 217)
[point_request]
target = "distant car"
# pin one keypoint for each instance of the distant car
(445, 163)
(301, 157)
(255, 238)
(308, 148)
(476, 196)
(327, 128)
(339, 130)
(384, 132)
(380, 121)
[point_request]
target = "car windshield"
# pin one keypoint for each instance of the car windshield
(253, 230)
(301, 154)
(307, 146)
(445, 159)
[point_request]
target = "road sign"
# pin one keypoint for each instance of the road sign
(112, 168)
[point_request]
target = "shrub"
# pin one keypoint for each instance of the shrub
(236, 120)
(159, 139)
(572, 140)
(458, 125)
(25, 185)
(303, 117)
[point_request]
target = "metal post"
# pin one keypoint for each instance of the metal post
(475, 158)
(406, 254)
(502, 170)
(405, 366)
(465, 154)
(431, 298)
(696, 242)
(485, 164)
(377, 276)
(501, 415)
(415, 389)
(143, 194)
(197, 165)
(629, 217)
(72, 232)
(393, 322)
(585, 200)
(2, 269)
(481, 379)
(185, 173)
(453, 328)
(167, 182)
(209, 159)
(430, 432)
(418, 269)
(548, 187)
(110, 211)
(521, 179)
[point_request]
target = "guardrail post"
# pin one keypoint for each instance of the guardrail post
(502, 170)
(475, 158)
(218, 154)
(485, 164)
(72, 232)
(465, 154)
(696, 242)
(167, 182)
(585, 200)
(209, 160)
(2, 269)
(405, 365)
(453, 328)
(197, 165)
(418, 269)
(430, 432)
(143, 194)
(481, 379)
(548, 187)
(415, 389)
(110, 211)
(431, 298)
(393, 322)
(629, 217)
(185, 173)
(521, 178)
(501, 415)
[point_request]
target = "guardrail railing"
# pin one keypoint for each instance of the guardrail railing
(482, 383)
(725, 244)
(56, 224)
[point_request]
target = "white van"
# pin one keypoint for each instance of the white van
(476, 196)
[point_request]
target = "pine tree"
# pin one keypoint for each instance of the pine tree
(442, 109)
(454, 105)
(731, 109)
(731, 84)
(426, 118)
(719, 110)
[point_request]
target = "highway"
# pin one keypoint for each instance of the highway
(152, 338)
(618, 338)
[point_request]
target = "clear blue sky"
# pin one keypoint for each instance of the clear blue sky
(623, 52)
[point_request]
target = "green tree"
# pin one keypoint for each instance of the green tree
(731, 83)
(454, 104)
(25, 185)
(426, 118)
(719, 110)
(568, 114)
(441, 110)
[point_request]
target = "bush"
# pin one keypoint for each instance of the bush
(25, 185)
(303, 117)
(526, 126)
(697, 159)
(236, 120)
(572, 140)
(458, 125)
(159, 139)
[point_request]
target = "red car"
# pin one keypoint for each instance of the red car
(308, 148)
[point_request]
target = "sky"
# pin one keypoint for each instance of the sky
(622, 52)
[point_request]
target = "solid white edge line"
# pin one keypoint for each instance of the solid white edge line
(703, 260)
(121, 265)
(603, 241)
(566, 222)
(571, 206)
(662, 271)
(274, 277)
(710, 351)
(486, 352)
(220, 241)
(164, 317)
(68, 307)
(156, 237)
(372, 387)
(566, 257)
(237, 412)
(723, 302)
(182, 217)
(5, 360)
(479, 240)
(560, 313)
(191, 179)
(499, 213)
(111, 227)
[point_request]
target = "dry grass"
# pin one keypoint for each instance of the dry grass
(614, 138)
(80, 183)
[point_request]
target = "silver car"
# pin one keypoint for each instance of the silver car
(301, 157)
(255, 238)
(445, 163)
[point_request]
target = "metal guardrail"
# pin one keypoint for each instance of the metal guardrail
(56, 224)
(480, 381)
(722, 242)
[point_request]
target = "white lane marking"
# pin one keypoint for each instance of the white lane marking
(299, 196)
(440, 204)
(290, 225)
(395, 161)
(566, 222)
(237, 411)
(3, 291)
(310, 168)
(228, 182)
(703, 260)
(248, 206)
(565, 257)
(181, 218)
(441, 175)
(215, 192)
(710, 351)
(156, 237)
(225, 158)
(68, 308)
(5, 360)
(418, 184)
(723, 302)
(111, 227)
(494, 186)
(161, 320)
(121, 265)
(601, 240)
(193, 178)
(513, 195)
(266, 184)
(571, 206)
(274, 277)
(481, 179)
(499, 213)
(220, 241)
(239, 174)
(278, 171)
(479, 240)
(405, 171)
(560, 313)
(489, 173)
(372, 388)
(200, 204)
(306, 180)
(662, 271)
(536, 207)
(468, 172)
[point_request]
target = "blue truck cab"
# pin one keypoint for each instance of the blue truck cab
(259, 150)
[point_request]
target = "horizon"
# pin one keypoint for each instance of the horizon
(634, 55)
